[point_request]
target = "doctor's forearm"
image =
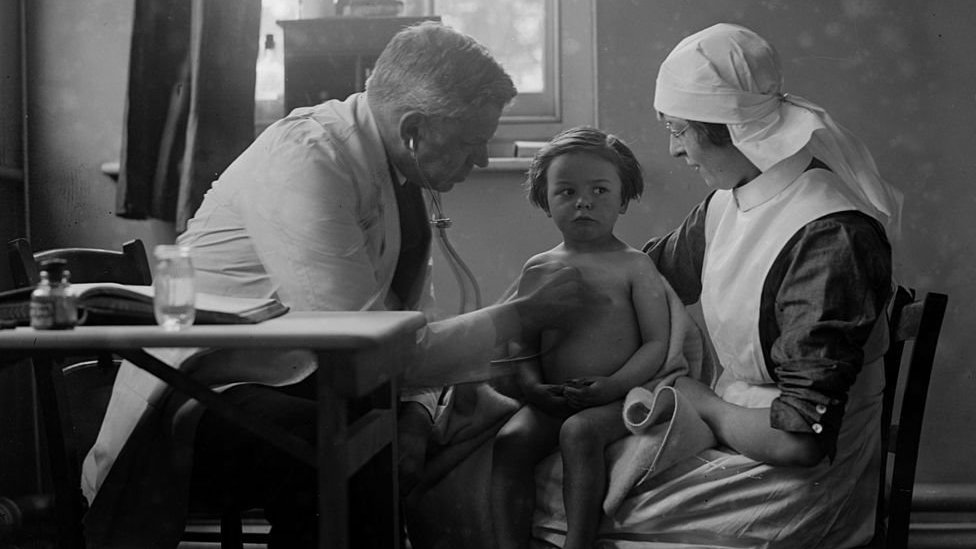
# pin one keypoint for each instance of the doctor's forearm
(458, 349)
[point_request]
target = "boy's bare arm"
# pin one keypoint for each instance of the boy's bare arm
(535, 390)
(654, 319)
(529, 371)
(544, 396)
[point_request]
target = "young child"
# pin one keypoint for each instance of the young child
(583, 179)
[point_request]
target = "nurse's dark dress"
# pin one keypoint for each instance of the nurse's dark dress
(792, 278)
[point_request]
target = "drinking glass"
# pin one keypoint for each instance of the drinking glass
(174, 302)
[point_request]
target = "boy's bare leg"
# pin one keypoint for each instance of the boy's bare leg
(528, 437)
(582, 441)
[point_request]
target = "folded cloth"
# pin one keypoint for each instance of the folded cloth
(666, 429)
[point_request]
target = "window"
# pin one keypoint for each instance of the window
(548, 46)
(269, 85)
(522, 35)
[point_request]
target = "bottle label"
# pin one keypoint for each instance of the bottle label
(42, 314)
(53, 313)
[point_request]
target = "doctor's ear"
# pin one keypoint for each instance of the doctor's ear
(411, 129)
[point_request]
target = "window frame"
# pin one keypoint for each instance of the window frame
(572, 50)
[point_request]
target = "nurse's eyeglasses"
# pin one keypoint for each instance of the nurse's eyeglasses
(676, 133)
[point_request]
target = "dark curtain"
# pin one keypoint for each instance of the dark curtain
(190, 102)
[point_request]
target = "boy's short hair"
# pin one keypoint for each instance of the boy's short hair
(585, 139)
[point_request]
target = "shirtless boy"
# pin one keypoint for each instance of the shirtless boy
(583, 179)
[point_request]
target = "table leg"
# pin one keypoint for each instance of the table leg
(64, 475)
(374, 514)
(363, 451)
(333, 480)
(395, 464)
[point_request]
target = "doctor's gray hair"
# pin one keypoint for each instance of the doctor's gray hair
(438, 71)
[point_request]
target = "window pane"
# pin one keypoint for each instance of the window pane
(513, 30)
(269, 85)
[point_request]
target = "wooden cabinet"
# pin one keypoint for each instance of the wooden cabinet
(330, 58)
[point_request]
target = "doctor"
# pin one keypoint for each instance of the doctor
(324, 211)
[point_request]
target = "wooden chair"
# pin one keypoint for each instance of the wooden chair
(74, 403)
(918, 320)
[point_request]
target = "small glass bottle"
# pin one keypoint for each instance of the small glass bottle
(269, 87)
(52, 307)
(175, 295)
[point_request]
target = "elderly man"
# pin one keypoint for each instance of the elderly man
(325, 212)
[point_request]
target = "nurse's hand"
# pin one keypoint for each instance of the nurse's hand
(548, 293)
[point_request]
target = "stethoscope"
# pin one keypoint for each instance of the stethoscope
(467, 284)
(470, 293)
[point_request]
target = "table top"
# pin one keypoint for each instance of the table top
(306, 330)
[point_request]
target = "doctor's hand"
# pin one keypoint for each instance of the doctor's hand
(548, 293)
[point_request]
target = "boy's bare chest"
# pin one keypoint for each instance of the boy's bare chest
(610, 285)
(609, 311)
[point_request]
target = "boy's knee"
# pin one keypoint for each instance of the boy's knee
(578, 432)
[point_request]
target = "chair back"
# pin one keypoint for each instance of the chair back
(90, 381)
(129, 266)
(917, 321)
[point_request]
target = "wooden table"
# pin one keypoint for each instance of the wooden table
(358, 352)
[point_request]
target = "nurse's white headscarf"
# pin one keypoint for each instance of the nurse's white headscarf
(727, 74)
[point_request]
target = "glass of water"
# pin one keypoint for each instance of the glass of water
(175, 296)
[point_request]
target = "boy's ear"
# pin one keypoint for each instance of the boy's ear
(623, 207)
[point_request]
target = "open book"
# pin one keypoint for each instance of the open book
(110, 303)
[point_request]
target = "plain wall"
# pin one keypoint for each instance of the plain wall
(898, 73)
(11, 126)
(78, 60)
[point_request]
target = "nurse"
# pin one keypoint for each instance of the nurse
(790, 258)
